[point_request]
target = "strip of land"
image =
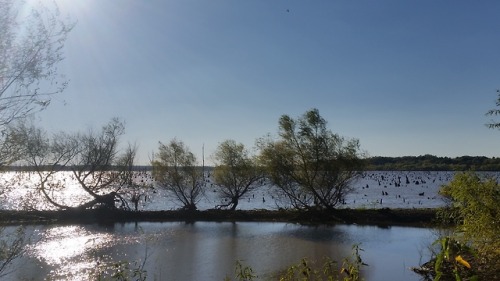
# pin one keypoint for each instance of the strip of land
(380, 217)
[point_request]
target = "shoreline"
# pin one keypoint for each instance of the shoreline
(385, 217)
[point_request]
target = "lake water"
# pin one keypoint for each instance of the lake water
(375, 189)
(209, 250)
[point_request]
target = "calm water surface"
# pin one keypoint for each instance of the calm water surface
(209, 250)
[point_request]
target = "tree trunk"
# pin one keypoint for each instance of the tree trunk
(234, 203)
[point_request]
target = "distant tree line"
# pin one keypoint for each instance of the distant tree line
(433, 163)
(377, 163)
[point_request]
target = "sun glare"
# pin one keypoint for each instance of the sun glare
(69, 248)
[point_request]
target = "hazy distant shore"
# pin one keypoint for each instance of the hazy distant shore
(377, 163)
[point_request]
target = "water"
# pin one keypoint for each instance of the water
(373, 190)
(209, 250)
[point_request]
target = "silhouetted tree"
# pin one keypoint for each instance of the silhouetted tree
(175, 170)
(30, 50)
(91, 157)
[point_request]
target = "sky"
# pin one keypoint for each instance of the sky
(403, 77)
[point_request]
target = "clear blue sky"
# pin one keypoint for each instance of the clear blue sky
(404, 77)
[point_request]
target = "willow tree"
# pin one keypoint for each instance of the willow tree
(236, 173)
(311, 166)
(175, 170)
(30, 49)
(99, 168)
(92, 158)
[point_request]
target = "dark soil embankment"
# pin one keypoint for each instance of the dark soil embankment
(415, 217)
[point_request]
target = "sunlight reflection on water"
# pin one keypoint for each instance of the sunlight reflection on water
(71, 250)
(208, 250)
(375, 189)
(20, 190)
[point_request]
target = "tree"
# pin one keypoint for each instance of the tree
(474, 207)
(312, 166)
(12, 244)
(473, 249)
(135, 189)
(30, 50)
(97, 165)
(92, 159)
(475, 242)
(494, 112)
(175, 170)
(235, 172)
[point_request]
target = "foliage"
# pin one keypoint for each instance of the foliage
(11, 247)
(312, 166)
(350, 270)
(242, 273)
(433, 163)
(175, 170)
(128, 173)
(235, 172)
(30, 50)
(120, 271)
(474, 248)
(449, 260)
(494, 112)
(99, 168)
(475, 207)
(92, 158)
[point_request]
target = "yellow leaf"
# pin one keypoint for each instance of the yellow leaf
(463, 262)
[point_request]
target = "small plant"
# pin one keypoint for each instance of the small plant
(121, 271)
(353, 268)
(474, 210)
(306, 270)
(449, 260)
(243, 273)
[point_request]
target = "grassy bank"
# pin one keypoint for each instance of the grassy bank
(383, 217)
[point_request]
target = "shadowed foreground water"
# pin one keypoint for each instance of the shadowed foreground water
(209, 250)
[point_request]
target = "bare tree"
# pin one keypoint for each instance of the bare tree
(30, 50)
(175, 169)
(136, 186)
(494, 112)
(235, 173)
(11, 247)
(48, 155)
(96, 168)
(312, 166)
(92, 158)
